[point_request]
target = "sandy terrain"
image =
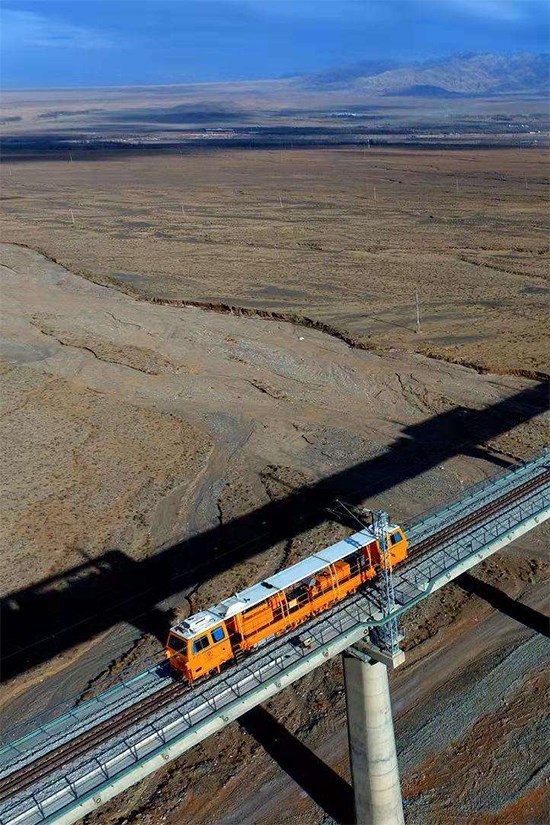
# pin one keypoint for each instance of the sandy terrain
(344, 236)
(131, 427)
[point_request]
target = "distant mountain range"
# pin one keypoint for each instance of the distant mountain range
(460, 75)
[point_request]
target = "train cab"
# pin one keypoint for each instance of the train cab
(398, 544)
(198, 646)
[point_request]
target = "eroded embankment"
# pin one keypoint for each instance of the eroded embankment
(294, 318)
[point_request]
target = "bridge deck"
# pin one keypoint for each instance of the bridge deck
(443, 545)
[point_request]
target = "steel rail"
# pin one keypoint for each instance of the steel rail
(470, 519)
(19, 780)
(80, 745)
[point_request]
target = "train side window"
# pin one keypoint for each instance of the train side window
(218, 634)
(200, 643)
(395, 537)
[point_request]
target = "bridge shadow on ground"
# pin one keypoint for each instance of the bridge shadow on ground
(528, 616)
(327, 788)
(60, 612)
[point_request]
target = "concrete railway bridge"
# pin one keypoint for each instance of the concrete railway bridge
(72, 765)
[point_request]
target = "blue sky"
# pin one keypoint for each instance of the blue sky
(52, 43)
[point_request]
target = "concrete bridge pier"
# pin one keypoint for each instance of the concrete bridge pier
(373, 756)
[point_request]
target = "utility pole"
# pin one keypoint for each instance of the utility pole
(417, 312)
(373, 754)
(72, 216)
(386, 636)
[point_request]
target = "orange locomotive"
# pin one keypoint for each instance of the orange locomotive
(214, 638)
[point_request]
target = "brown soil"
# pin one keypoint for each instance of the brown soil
(340, 236)
(153, 423)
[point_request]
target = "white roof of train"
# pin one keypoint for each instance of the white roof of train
(201, 622)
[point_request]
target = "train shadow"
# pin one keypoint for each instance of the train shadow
(527, 616)
(317, 779)
(62, 611)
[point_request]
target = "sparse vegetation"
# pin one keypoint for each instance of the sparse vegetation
(339, 236)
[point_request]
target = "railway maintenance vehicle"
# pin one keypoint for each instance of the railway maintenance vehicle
(213, 639)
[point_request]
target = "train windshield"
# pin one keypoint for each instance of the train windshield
(200, 644)
(177, 644)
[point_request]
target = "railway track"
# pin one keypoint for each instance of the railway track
(491, 508)
(79, 746)
(55, 760)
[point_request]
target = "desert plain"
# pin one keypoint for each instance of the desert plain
(344, 236)
(195, 343)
